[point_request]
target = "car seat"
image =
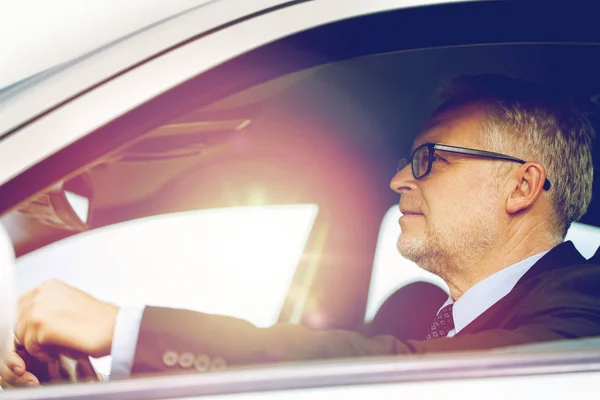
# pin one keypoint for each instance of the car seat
(408, 312)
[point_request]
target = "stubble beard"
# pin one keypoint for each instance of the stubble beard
(445, 251)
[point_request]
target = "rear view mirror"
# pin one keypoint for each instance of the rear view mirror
(65, 205)
(80, 205)
(70, 210)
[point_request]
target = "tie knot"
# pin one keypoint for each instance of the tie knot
(442, 323)
(445, 312)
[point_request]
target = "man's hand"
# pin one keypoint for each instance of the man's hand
(56, 317)
(13, 373)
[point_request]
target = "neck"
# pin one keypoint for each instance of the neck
(514, 248)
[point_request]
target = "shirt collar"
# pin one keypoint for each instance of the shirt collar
(487, 292)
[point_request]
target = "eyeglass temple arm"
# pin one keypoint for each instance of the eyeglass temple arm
(487, 154)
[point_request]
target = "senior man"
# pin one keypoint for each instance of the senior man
(494, 180)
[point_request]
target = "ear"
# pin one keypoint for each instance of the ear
(530, 178)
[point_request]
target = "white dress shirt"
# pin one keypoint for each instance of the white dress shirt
(487, 292)
(125, 336)
(470, 305)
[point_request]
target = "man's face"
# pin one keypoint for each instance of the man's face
(453, 214)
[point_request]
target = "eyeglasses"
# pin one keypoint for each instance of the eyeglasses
(422, 158)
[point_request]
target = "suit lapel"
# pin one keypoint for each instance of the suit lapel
(563, 255)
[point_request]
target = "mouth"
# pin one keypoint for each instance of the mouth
(409, 216)
(407, 213)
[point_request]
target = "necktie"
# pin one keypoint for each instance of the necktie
(442, 323)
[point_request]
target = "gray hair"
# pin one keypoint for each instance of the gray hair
(534, 123)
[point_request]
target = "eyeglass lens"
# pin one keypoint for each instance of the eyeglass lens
(420, 161)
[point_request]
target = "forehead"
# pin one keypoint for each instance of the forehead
(458, 127)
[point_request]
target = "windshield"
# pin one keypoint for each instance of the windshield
(233, 261)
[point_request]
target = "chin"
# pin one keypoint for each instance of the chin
(413, 247)
(419, 249)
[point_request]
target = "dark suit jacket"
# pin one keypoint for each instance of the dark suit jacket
(558, 298)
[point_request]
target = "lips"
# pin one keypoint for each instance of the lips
(408, 206)
(407, 212)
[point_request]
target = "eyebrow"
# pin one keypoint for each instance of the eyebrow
(415, 146)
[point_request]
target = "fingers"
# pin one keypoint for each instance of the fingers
(9, 379)
(12, 372)
(15, 363)
(57, 316)
(23, 311)
(28, 329)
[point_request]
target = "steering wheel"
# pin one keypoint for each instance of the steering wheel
(63, 369)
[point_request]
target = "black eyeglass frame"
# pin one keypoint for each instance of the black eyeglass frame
(459, 150)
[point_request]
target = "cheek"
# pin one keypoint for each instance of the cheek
(443, 200)
(446, 203)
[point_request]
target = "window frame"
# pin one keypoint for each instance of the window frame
(136, 101)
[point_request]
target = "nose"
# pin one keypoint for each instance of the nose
(403, 180)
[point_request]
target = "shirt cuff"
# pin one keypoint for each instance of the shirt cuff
(125, 336)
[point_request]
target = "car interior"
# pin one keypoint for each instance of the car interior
(297, 123)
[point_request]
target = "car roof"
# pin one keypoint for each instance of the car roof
(55, 83)
(95, 24)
